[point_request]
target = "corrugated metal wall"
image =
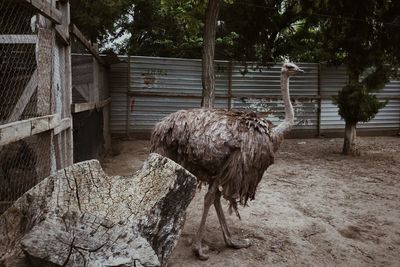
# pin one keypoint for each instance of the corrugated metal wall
(259, 89)
(146, 89)
(153, 86)
(119, 84)
(332, 80)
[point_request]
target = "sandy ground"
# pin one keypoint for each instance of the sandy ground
(314, 207)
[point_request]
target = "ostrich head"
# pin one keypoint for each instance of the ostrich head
(290, 69)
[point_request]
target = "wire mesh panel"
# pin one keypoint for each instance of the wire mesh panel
(22, 165)
(28, 90)
(18, 63)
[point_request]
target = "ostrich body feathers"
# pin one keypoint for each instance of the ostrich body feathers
(230, 148)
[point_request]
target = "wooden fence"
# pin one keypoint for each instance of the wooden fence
(36, 89)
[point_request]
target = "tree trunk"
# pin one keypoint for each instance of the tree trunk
(82, 217)
(208, 73)
(349, 146)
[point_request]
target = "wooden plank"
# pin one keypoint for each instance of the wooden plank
(66, 137)
(18, 130)
(86, 43)
(95, 97)
(46, 9)
(64, 125)
(63, 34)
(58, 152)
(14, 131)
(106, 128)
(18, 39)
(46, 123)
(25, 97)
(44, 61)
(80, 107)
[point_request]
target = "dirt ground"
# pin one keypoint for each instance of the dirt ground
(314, 207)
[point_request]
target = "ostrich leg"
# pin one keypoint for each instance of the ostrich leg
(198, 247)
(225, 230)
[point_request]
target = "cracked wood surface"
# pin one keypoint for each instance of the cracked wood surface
(82, 217)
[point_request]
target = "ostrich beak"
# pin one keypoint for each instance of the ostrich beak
(300, 70)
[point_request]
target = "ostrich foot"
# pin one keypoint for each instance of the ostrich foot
(243, 243)
(201, 251)
(233, 243)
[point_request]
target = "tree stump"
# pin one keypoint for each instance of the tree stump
(82, 217)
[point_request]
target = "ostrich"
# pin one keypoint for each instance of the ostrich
(228, 150)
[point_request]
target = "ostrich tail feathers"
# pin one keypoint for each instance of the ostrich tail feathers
(241, 175)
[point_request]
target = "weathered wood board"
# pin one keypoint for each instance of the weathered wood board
(82, 217)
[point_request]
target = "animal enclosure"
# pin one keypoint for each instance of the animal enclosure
(146, 89)
(43, 93)
(35, 95)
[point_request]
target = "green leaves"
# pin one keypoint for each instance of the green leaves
(357, 35)
(96, 18)
(357, 104)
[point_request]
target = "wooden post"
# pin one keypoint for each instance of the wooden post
(44, 67)
(106, 127)
(29, 90)
(43, 143)
(105, 94)
(86, 43)
(45, 8)
(68, 139)
(96, 88)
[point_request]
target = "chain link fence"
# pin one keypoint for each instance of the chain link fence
(28, 90)
(18, 63)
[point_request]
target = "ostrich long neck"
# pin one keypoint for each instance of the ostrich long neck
(278, 133)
